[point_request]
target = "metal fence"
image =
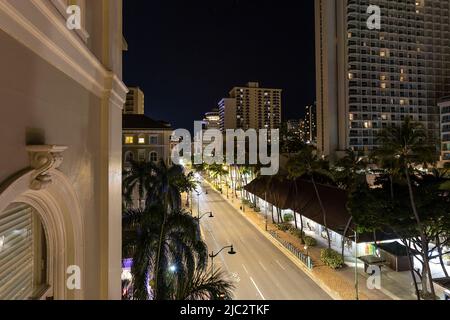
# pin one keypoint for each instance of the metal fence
(305, 259)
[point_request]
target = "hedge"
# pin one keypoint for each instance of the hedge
(331, 258)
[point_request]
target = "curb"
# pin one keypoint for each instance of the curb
(334, 295)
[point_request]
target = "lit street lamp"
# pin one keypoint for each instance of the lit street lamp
(213, 255)
(199, 217)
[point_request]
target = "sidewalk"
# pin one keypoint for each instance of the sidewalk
(340, 284)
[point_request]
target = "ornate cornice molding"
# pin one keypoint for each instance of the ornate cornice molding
(43, 159)
(26, 20)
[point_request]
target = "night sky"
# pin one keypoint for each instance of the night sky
(187, 55)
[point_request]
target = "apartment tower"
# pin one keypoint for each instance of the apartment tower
(369, 79)
(135, 101)
(251, 107)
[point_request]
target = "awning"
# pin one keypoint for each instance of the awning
(396, 249)
(300, 196)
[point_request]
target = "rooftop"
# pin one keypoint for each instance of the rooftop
(137, 121)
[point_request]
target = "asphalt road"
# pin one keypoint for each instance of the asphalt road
(259, 270)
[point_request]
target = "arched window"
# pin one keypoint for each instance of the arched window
(23, 254)
(153, 156)
(129, 156)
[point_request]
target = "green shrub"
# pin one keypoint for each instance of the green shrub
(257, 209)
(298, 233)
(310, 241)
(288, 217)
(331, 258)
(245, 202)
(284, 226)
(447, 259)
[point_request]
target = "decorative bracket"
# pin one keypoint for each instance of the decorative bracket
(44, 158)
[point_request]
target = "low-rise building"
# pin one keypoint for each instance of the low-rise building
(145, 139)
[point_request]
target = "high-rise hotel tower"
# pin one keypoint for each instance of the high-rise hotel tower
(369, 79)
(251, 107)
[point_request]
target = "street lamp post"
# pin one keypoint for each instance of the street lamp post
(265, 207)
(199, 217)
(213, 255)
(210, 215)
(356, 264)
(355, 236)
(198, 204)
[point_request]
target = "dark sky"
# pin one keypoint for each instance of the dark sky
(187, 55)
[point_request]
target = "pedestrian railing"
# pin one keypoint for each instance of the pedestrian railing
(305, 259)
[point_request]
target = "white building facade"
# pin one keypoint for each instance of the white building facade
(370, 79)
(60, 173)
(444, 107)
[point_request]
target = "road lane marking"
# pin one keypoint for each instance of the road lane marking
(245, 269)
(262, 266)
(259, 291)
(281, 266)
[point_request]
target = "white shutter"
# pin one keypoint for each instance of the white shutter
(16, 253)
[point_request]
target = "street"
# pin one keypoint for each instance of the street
(259, 269)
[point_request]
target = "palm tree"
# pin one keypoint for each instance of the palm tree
(181, 247)
(350, 169)
(217, 171)
(408, 145)
(188, 184)
(167, 183)
(308, 163)
(137, 179)
(202, 285)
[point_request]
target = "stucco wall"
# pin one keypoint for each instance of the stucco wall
(40, 105)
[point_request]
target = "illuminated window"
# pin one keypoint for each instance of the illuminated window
(352, 117)
(350, 76)
(129, 140)
(141, 140)
(382, 54)
(23, 254)
(383, 85)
